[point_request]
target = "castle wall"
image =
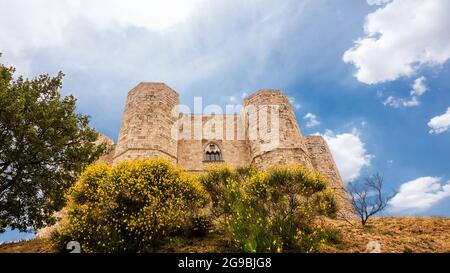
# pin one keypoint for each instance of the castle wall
(234, 153)
(147, 123)
(108, 156)
(221, 130)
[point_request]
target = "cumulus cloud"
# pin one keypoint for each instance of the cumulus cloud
(401, 37)
(419, 194)
(418, 89)
(349, 152)
(440, 124)
(43, 23)
(311, 120)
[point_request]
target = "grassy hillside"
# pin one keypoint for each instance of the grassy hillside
(396, 234)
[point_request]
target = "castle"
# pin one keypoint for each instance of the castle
(264, 133)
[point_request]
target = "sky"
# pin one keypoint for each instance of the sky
(371, 77)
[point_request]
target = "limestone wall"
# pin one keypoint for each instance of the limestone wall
(221, 130)
(110, 148)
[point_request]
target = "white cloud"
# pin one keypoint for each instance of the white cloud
(401, 37)
(396, 102)
(150, 14)
(311, 120)
(43, 23)
(420, 194)
(440, 124)
(377, 2)
(418, 89)
(349, 153)
(180, 42)
(294, 103)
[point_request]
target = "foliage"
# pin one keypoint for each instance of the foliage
(201, 225)
(221, 183)
(273, 210)
(131, 207)
(44, 145)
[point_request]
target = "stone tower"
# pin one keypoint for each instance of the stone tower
(272, 130)
(147, 122)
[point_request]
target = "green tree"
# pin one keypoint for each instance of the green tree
(44, 145)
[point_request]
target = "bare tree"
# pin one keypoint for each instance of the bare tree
(367, 197)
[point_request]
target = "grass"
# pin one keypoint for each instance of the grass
(395, 234)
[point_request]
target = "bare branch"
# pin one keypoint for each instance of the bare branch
(367, 197)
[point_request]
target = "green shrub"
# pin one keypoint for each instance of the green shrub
(221, 182)
(131, 207)
(271, 211)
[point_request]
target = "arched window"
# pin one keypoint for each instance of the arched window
(212, 153)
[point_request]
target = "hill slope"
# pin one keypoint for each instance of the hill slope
(395, 234)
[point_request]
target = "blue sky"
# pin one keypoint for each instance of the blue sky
(371, 76)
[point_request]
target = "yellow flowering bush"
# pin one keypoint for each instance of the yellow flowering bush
(273, 210)
(131, 207)
(222, 184)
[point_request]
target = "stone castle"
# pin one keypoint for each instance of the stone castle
(153, 127)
